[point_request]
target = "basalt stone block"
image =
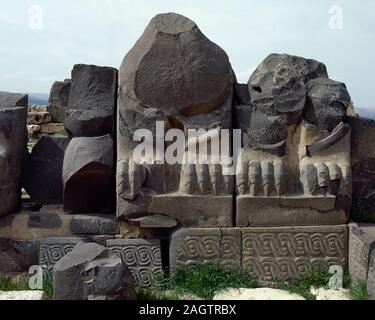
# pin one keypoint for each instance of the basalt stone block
(290, 211)
(87, 175)
(361, 245)
(279, 84)
(92, 101)
(363, 164)
(13, 140)
(93, 225)
(143, 258)
(59, 99)
(327, 103)
(191, 248)
(52, 250)
(282, 254)
(17, 256)
(67, 280)
(108, 279)
(42, 173)
(9, 100)
(270, 254)
(371, 275)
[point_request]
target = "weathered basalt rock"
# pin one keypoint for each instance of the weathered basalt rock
(67, 281)
(59, 99)
(8, 100)
(13, 139)
(42, 174)
(108, 279)
(17, 256)
(87, 175)
(92, 101)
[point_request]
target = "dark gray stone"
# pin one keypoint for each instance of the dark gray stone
(58, 100)
(174, 68)
(88, 175)
(108, 279)
(44, 221)
(363, 165)
(327, 102)
(279, 84)
(13, 141)
(67, 280)
(42, 174)
(17, 256)
(93, 225)
(242, 94)
(8, 100)
(92, 101)
(52, 250)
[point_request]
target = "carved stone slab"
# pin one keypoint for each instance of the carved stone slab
(281, 254)
(361, 244)
(53, 249)
(193, 247)
(271, 254)
(143, 258)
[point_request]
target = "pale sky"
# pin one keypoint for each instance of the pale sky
(36, 52)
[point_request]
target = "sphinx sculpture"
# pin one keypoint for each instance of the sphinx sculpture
(176, 76)
(294, 167)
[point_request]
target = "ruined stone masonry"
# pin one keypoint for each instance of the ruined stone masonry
(304, 167)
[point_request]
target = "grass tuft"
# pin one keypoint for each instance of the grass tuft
(205, 281)
(319, 278)
(363, 217)
(7, 284)
(358, 290)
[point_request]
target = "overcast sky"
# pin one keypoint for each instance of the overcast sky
(35, 52)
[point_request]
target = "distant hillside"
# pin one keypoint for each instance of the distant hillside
(38, 98)
(366, 113)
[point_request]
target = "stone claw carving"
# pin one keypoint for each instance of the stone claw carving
(130, 179)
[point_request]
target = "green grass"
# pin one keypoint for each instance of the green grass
(358, 290)
(6, 284)
(205, 281)
(48, 286)
(318, 279)
(152, 295)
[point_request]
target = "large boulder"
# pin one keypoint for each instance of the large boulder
(17, 256)
(58, 100)
(67, 281)
(13, 140)
(8, 99)
(174, 73)
(279, 84)
(109, 279)
(42, 174)
(88, 176)
(92, 101)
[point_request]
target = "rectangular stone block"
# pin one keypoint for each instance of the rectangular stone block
(361, 244)
(143, 258)
(281, 254)
(189, 210)
(53, 249)
(288, 211)
(193, 247)
(270, 254)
